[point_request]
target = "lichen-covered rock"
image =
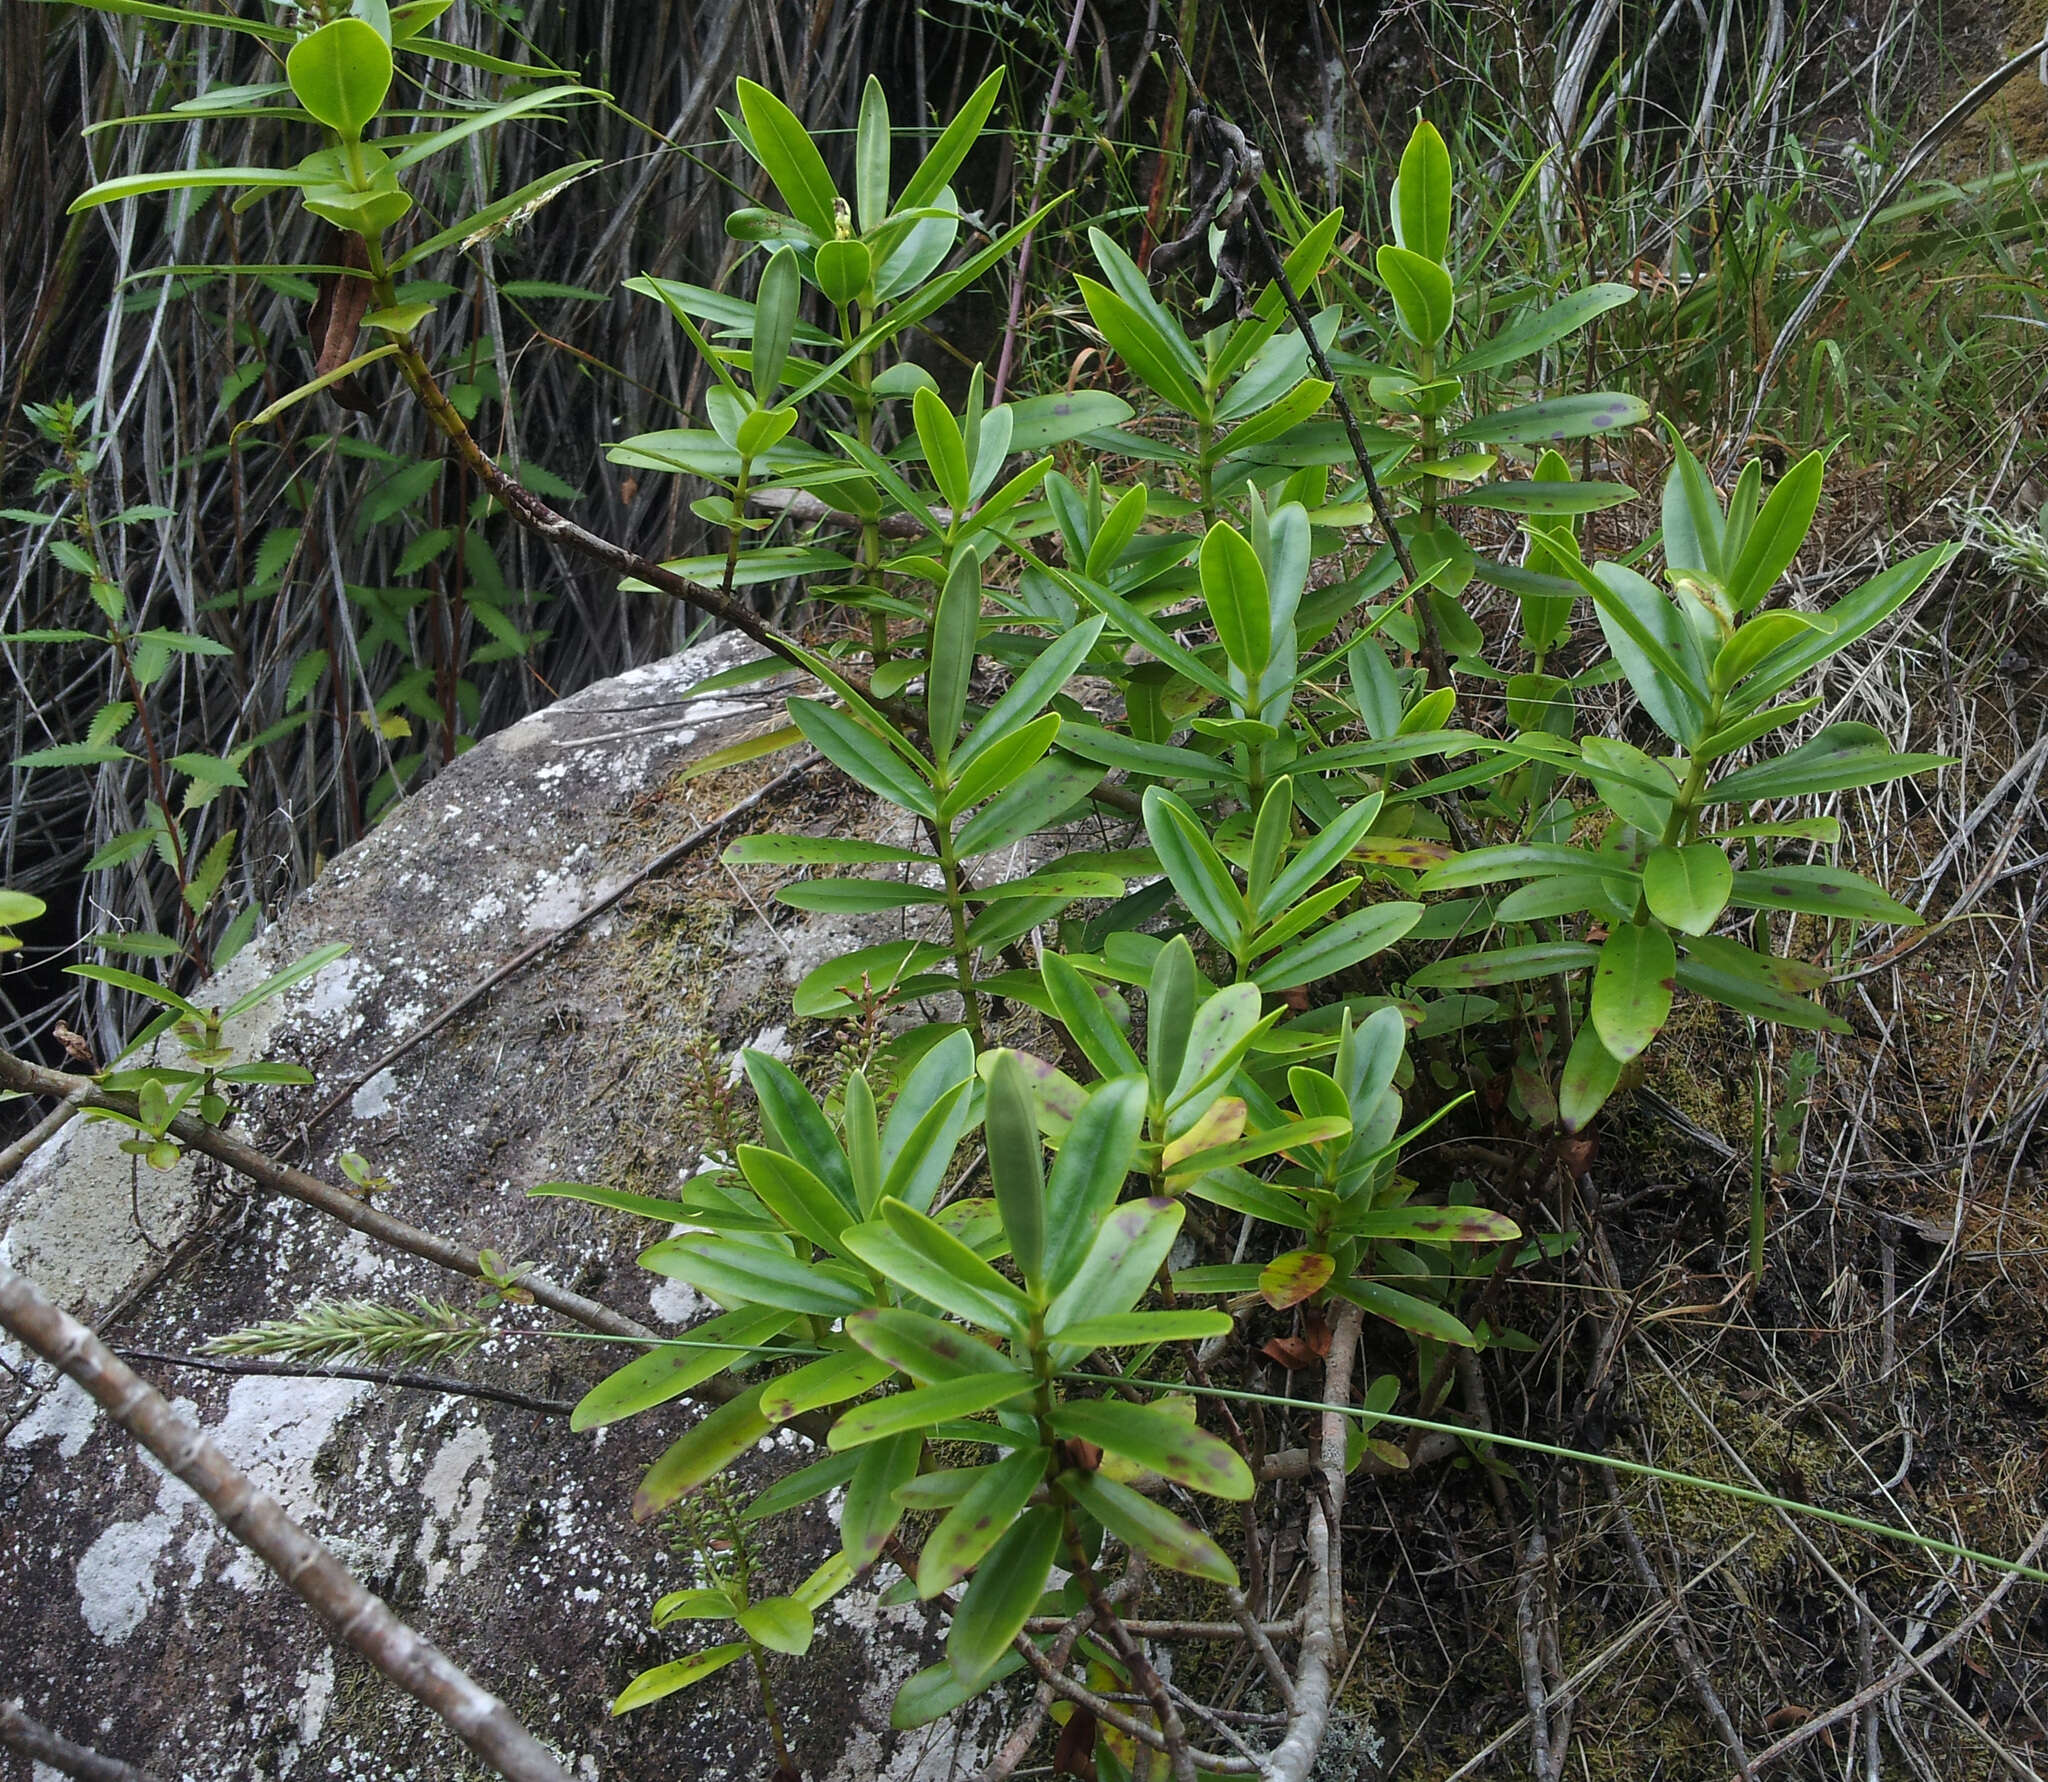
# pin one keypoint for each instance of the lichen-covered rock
(131, 1621)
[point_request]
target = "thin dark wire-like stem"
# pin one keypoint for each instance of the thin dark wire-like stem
(407, 1378)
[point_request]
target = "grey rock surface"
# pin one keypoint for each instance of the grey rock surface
(128, 1620)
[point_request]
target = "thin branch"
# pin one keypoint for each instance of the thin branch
(537, 517)
(1689, 1659)
(1892, 1679)
(377, 1376)
(40, 1745)
(477, 1717)
(280, 1178)
(1937, 133)
(38, 1136)
(1322, 1622)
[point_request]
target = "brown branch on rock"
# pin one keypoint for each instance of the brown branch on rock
(36, 1742)
(296, 1184)
(37, 1136)
(363, 1620)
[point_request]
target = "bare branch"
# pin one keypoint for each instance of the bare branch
(40, 1745)
(1322, 1621)
(477, 1717)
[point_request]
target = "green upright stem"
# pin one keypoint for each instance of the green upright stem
(863, 373)
(963, 948)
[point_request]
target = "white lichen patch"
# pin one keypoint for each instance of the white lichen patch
(457, 1487)
(558, 898)
(373, 1099)
(334, 996)
(675, 1302)
(273, 1431)
(774, 1041)
(487, 908)
(65, 1415)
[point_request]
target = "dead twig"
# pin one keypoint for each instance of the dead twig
(40, 1746)
(1899, 1674)
(1937, 133)
(1322, 1621)
(364, 1621)
(1681, 1643)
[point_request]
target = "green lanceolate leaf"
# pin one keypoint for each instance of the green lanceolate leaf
(926, 1406)
(1142, 343)
(1434, 1225)
(955, 633)
(708, 1447)
(872, 1511)
(1819, 891)
(830, 1380)
(1159, 1441)
(952, 147)
(1192, 863)
(1149, 1529)
(1560, 418)
(789, 157)
(1590, 1074)
(1130, 1330)
(1005, 1590)
(923, 1257)
(1120, 1262)
(1837, 759)
(743, 1274)
(928, 1351)
(1687, 888)
(979, 1520)
(1632, 984)
(673, 1369)
(1776, 534)
(1087, 1020)
(871, 156)
(1420, 1317)
(1534, 329)
(1505, 965)
(1422, 195)
(794, 1195)
(1088, 1174)
(863, 756)
(667, 1679)
(1344, 943)
(1754, 984)
(795, 1123)
(1234, 586)
(775, 307)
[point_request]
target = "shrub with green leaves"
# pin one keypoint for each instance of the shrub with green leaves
(1354, 826)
